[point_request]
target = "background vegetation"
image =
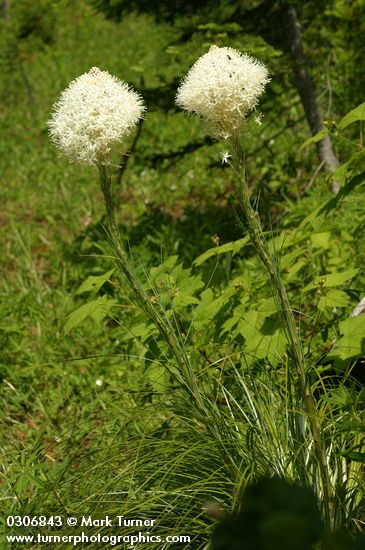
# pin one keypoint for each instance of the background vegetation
(87, 407)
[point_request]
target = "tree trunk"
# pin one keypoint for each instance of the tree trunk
(306, 91)
(4, 8)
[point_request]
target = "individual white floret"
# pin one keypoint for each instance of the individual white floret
(225, 156)
(94, 112)
(222, 87)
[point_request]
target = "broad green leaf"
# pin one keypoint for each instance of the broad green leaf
(181, 300)
(331, 279)
(233, 246)
(234, 319)
(94, 283)
(251, 323)
(173, 281)
(352, 344)
(292, 271)
(208, 307)
(96, 310)
(278, 243)
(189, 284)
(340, 174)
(287, 260)
(141, 331)
(315, 138)
(333, 298)
(268, 306)
(164, 268)
(353, 167)
(321, 240)
(263, 337)
(350, 175)
(343, 192)
(353, 116)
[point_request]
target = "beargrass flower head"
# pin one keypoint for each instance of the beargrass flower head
(222, 87)
(94, 112)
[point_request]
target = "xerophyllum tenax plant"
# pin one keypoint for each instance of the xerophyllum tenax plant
(94, 113)
(222, 87)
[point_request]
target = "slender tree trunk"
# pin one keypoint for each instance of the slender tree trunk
(306, 91)
(4, 8)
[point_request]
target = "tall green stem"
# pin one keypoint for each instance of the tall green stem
(272, 270)
(139, 292)
(188, 379)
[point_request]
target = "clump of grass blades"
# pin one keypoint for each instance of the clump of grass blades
(164, 463)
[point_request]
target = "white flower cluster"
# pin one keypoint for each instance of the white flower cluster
(95, 111)
(221, 88)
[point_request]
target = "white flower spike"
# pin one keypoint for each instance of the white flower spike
(222, 88)
(94, 112)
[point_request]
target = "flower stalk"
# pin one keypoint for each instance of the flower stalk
(272, 269)
(222, 87)
(161, 323)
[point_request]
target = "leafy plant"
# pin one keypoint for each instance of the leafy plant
(101, 417)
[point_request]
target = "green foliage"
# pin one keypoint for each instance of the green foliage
(96, 309)
(223, 249)
(331, 280)
(332, 299)
(95, 417)
(174, 286)
(351, 344)
(95, 282)
(355, 115)
(162, 9)
(26, 27)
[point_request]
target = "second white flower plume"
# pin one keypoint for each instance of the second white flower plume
(222, 87)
